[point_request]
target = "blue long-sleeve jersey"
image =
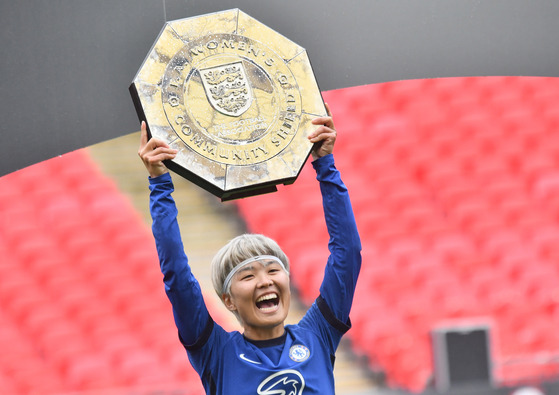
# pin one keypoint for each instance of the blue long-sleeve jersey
(300, 361)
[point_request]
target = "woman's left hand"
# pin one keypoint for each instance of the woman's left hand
(323, 137)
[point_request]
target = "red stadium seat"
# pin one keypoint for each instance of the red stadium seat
(448, 177)
(454, 197)
(75, 289)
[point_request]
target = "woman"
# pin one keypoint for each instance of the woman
(251, 276)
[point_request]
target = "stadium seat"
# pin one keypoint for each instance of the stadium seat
(453, 183)
(75, 290)
(454, 196)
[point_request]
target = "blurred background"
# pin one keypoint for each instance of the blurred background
(453, 183)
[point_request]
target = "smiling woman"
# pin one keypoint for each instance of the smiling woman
(251, 276)
(259, 295)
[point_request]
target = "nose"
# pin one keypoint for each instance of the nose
(264, 281)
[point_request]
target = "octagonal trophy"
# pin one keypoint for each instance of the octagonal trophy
(234, 97)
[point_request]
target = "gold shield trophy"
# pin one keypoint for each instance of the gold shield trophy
(234, 97)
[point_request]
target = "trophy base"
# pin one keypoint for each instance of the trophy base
(224, 195)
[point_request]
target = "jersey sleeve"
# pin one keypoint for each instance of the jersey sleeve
(344, 261)
(183, 290)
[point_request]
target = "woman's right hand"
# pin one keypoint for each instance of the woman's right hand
(153, 152)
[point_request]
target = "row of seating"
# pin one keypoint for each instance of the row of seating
(82, 306)
(452, 183)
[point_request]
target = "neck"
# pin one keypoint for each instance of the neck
(259, 334)
(268, 343)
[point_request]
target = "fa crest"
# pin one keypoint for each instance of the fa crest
(227, 88)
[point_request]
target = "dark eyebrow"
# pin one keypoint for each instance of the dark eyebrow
(250, 267)
(246, 268)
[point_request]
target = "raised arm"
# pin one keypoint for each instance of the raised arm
(344, 262)
(183, 290)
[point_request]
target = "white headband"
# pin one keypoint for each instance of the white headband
(227, 283)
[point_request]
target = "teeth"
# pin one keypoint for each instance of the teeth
(267, 297)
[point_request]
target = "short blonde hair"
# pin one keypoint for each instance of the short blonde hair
(240, 249)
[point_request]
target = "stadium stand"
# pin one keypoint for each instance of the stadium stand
(454, 184)
(81, 301)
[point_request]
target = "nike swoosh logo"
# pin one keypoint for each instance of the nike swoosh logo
(249, 360)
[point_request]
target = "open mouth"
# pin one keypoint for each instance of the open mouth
(267, 302)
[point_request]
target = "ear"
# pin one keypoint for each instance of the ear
(228, 302)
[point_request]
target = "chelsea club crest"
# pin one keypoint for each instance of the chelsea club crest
(299, 353)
